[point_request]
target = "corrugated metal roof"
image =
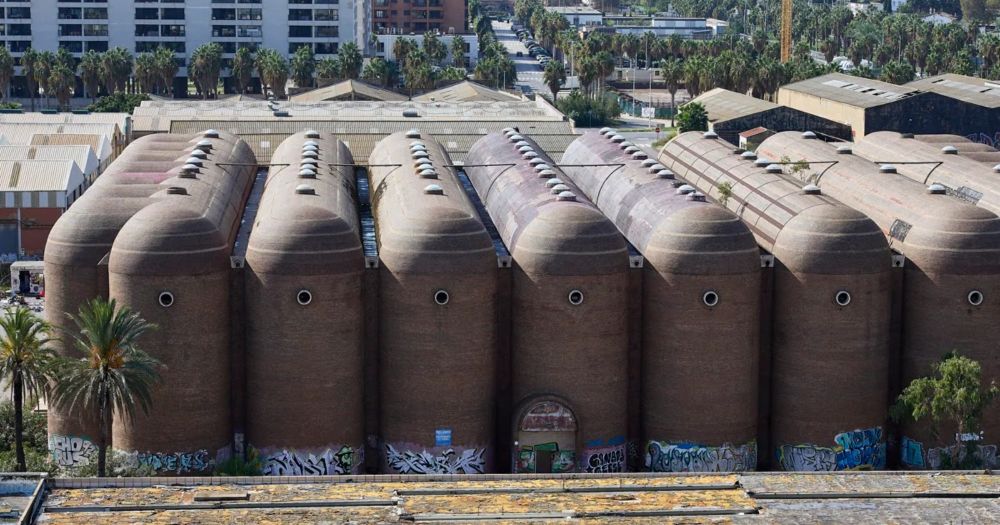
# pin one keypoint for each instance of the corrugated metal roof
(722, 104)
(119, 119)
(345, 90)
(851, 90)
(83, 156)
(978, 91)
(20, 133)
(100, 144)
(39, 175)
(466, 91)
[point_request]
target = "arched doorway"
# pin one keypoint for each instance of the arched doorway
(545, 437)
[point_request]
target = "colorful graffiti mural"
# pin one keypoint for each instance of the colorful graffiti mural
(913, 455)
(172, 462)
(562, 460)
(862, 449)
(345, 460)
(448, 461)
(604, 455)
(664, 456)
(71, 451)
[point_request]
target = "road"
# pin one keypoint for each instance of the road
(529, 72)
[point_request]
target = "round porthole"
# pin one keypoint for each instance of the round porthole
(304, 297)
(441, 297)
(576, 298)
(975, 298)
(710, 298)
(843, 298)
(166, 299)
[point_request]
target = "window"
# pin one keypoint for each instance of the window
(99, 45)
(70, 30)
(248, 32)
(380, 13)
(73, 46)
(228, 47)
(300, 31)
(298, 15)
(19, 29)
(95, 13)
(172, 30)
(248, 14)
(326, 15)
(223, 14)
(18, 12)
(294, 46)
(223, 31)
(68, 13)
(147, 13)
(172, 13)
(327, 32)
(147, 30)
(95, 29)
(326, 48)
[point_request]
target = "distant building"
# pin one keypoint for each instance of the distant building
(35, 193)
(385, 42)
(417, 16)
(347, 90)
(940, 18)
(982, 122)
(688, 28)
(730, 114)
(578, 16)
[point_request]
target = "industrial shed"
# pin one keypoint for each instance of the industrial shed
(868, 105)
(982, 122)
(82, 155)
(33, 195)
(99, 144)
(731, 113)
(347, 90)
(466, 91)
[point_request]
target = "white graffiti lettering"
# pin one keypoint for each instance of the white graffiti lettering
(70, 451)
(468, 461)
(686, 457)
(806, 458)
(176, 462)
(984, 456)
(605, 459)
(329, 463)
(862, 449)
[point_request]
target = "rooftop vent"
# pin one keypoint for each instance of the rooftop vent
(626, 145)
(949, 150)
(887, 168)
(639, 155)
(417, 143)
(542, 166)
(844, 150)
(423, 164)
(307, 173)
(210, 134)
(309, 155)
(684, 189)
(617, 138)
(748, 155)
(419, 154)
(936, 189)
(906, 135)
(176, 190)
(529, 154)
(648, 162)
(410, 113)
(761, 162)
(198, 153)
(194, 160)
(996, 169)
(310, 148)
(310, 143)
(566, 196)
(187, 174)
(710, 135)
(308, 162)
(610, 133)
(655, 168)
(413, 134)
(631, 149)
(515, 138)
(604, 130)
(773, 168)
(305, 189)
(204, 145)
(808, 135)
(193, 168)
(559, 188)
(665, 174)
(546, 173)
(525, 149)
(312, 134)
(428, 174)
(696, 196)
(522, 144)
(282, 113)
(535, 162)
(552, 182)
(811, 189)
(433, 189)
(507, 130)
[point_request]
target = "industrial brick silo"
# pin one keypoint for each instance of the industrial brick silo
(701, 284)
(963, 178)
(305, 326)
(75, 260)
(170, 262)
(831, 306)
(437, 313)
(951, 290)
(568, 319)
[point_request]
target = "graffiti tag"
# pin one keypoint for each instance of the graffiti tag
(71, 451)
(604, 459)
(689, 457)
(562, 460)
(468, 461)
(177, 462)
(329, 463)
(862, 449)
(935, 458)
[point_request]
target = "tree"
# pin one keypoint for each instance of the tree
(973, 10)
(145, 72)
(62, 82)
(41, 71)
(27, 364)
(435, 48)
(954, 393)
(897, 72)
(458, 51)
(302, 66)
(351, 60)
(452, 74)
(29, 61)
(241, 70)
(673, 72)
(380, 71)
(327, 71)
(113, 375)
(205, 67)
(554, 77)
(90, 73)
(6, 71)
(165, 67)
(692, 117)
(116, 68)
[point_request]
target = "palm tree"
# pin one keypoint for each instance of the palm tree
(165, 66)
(327, 71)
(554, 77)
(116, 68)
(302, 66)
(435, 49)
(29, 61)
(379, 71)
(41, 71)
(458, 51)
(205, 67)
(351, 60)
(401, 49)
(145, 72)
(61, 82)
(6, 71)
(273, 71)
(26, 364)
(673, 72)
(90, 72)
(113, 375)
(241, 70)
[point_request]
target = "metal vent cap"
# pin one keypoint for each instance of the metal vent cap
(887, 168)
(566, 196)
(936, 189)
(305, 189)
(433, 189)
(811, 189)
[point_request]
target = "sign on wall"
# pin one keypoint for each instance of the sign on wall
(442, 437)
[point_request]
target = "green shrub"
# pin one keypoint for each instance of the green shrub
(237, 466)
(35, 427)
(602, 110)
(118, 103)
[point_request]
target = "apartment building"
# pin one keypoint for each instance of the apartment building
(404, 17)
(183, 25)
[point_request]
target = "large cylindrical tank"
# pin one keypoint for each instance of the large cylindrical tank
(170, 263)
(951, 291)
(437, 313)
(76, 270)
(831, 309)
(305, 326)
(700, 303)
(569, 340)
(926, 163)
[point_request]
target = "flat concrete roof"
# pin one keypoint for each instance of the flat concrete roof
(974, 90)
(851, 90)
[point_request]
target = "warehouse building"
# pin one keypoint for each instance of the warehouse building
(981, 125)
(33, 195)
